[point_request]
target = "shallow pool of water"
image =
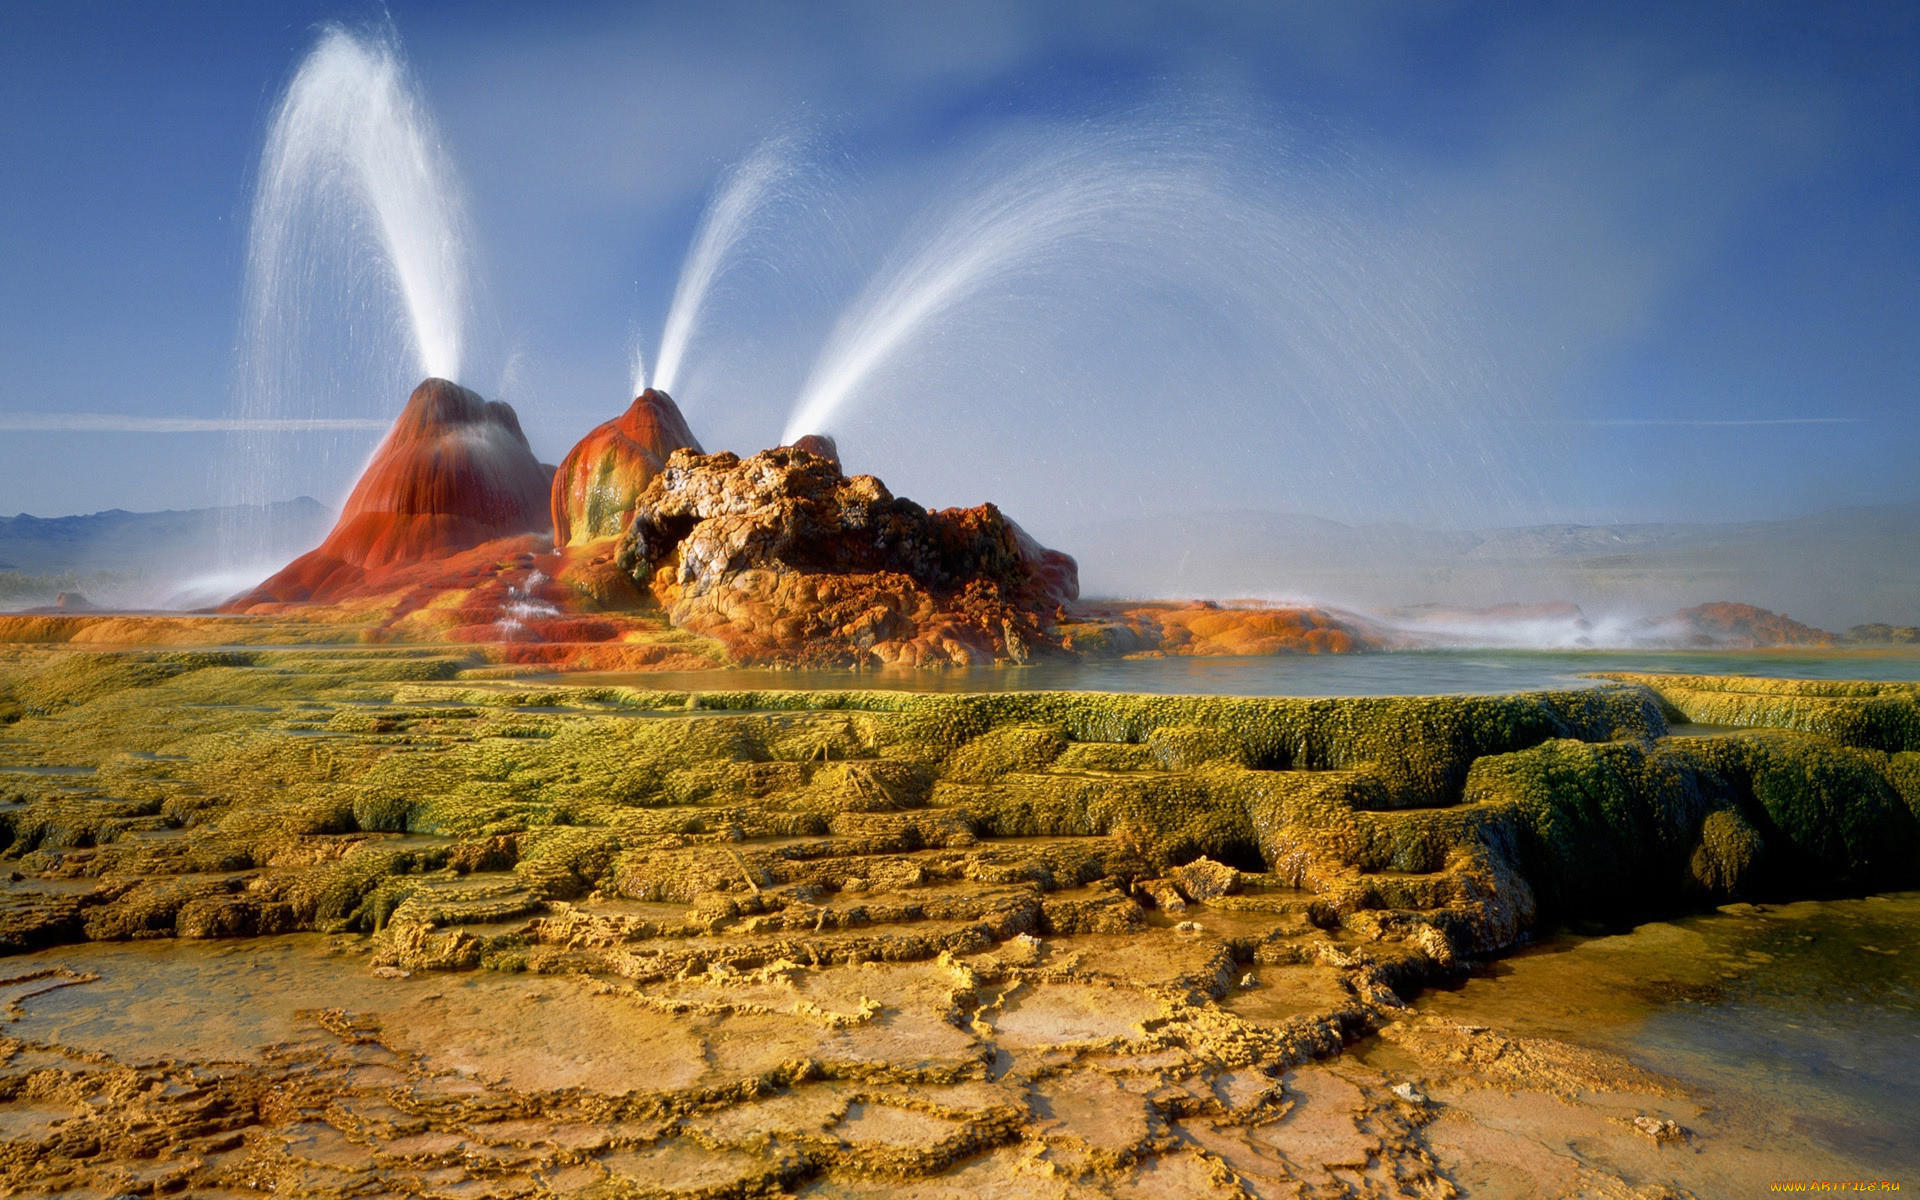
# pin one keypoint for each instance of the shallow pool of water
(1395, 673)
(1802, 1020)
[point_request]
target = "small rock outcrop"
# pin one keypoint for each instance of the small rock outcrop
(600, 479)
(454, 471)
(1744, 626)
(784, 559)
(1883, 635)
(820, 444)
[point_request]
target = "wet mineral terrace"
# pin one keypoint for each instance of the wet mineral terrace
(372, 923)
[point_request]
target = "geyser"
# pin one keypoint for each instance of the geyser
(454, 471)
(737, 203)
(357, 259)
(1322, 350)
(352, 154)
(1097, 190)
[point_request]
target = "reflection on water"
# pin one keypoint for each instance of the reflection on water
(1398, 673)
(1804, 1017)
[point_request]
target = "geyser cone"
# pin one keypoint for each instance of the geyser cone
(454, 471)
(597, 483)
(819, 444)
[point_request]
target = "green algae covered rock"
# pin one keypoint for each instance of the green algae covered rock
(1831, 812)
(367, 790)
(1003, 750)
(1105, 756)
(1727, 861)
(1595, 827)
(1904, 770)
(1621, 827)
(75, 678)
(1185, 747)
(1869, 715)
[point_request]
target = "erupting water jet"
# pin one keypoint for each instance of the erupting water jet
(357, 260)
(1017, 225)
(742, 197)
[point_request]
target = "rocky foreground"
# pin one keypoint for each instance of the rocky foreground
(345, 922)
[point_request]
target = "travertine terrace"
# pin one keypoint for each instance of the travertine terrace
(496, 938)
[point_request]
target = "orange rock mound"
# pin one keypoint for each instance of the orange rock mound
(659, 556)
(820, 444)
(454, 471)
(784, 559)
(1743, 626)
(1205, 629)
(597, 483)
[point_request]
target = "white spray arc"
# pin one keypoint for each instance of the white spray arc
(357, 275)
(742, 198)
(1094, 188)
(1265, 287)
(352, 151)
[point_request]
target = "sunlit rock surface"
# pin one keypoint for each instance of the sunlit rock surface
(600, 479)
(783, 558)
(455, 471)
(780, 559)
(1204, 629)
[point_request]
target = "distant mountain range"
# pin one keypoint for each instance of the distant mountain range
(154, 558)
(1832, 569)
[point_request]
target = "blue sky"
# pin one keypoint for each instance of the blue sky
(1589, 262)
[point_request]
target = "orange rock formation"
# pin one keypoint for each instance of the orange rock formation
(455, 471)
(654, 548)
(1725, 623)
(820, 444)
(783, 559)
(1203, 629)
(601, 477)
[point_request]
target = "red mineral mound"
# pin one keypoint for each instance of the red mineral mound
(597, 483)
(820, 444)
(453, 472)
(783, 559)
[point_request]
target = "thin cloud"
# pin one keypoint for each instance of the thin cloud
(120, 423)
(1691, 422)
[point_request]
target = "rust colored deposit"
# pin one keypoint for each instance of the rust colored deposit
(1724, 623)
(781, 557)
(455, 471)
(642, 552)
(601, 477)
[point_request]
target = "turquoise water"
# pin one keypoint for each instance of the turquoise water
(1396, 673)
